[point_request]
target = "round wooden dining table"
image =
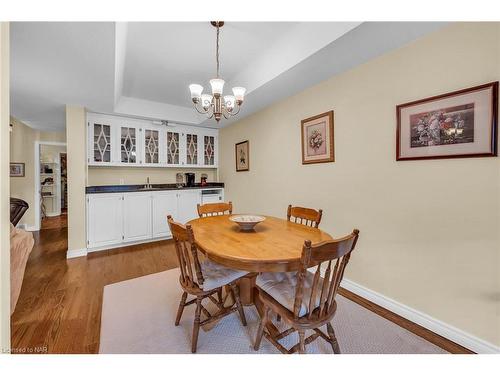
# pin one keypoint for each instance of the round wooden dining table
(275, 245)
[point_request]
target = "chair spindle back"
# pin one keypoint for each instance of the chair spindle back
(303, 215)
(187, 254)
(214, 209)
(335, 254)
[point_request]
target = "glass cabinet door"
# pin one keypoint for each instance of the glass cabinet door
(191, 149)
(102, 143)
(173, 145)
(208, 150)
(128, 145)
(151, 146)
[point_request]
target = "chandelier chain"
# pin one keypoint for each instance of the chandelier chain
(217, 50)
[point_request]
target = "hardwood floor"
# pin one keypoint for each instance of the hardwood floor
(54, 222)
(59, 309)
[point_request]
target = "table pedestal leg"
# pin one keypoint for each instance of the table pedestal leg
(246, 285)
(249, 295)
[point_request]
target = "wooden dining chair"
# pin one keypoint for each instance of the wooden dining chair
(214, 209)
(302, 215)
(203, 280)
(306, 300)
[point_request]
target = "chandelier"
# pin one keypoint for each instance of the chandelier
(216, 105)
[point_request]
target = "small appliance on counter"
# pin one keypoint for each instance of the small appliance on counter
(179, 180)
(189, 179)
(211, 196)
(204, 177)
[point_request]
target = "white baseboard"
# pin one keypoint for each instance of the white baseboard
(53, 214)
(443, 329)
(76, 253)
(130, 243)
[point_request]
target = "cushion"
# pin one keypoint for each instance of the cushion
(281, 286)
(216, 275)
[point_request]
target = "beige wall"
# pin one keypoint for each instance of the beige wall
(76, 134)
(4, 191)
(113, 175)
(22, 150)
(429, 229)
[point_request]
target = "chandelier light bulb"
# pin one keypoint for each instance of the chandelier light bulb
(239, 93)
(217, 86)
(206, 101)
(196, 91)
(229, 101)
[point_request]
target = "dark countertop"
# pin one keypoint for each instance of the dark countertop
(154, 187)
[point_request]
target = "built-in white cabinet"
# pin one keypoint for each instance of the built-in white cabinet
(137, 216)
(104, 220)
(173, 147)
(127, 139)
(164, 203)
(187, 205)
(123, 141)
(152, 146)
(114, 219)
(100, 142)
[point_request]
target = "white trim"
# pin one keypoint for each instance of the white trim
(31, 228)
(127, 243)
(76, 253)
(451, 333)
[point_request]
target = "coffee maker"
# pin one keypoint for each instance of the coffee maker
(189, 179)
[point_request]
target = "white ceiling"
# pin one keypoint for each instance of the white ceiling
(160, 68)
(144, 69)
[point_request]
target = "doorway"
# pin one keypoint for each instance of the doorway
(50, 185)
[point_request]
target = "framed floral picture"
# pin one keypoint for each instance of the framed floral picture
(242, 151)
(458, 124)
(16, 169)
(317, 139)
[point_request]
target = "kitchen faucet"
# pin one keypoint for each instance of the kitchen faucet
(148, 185)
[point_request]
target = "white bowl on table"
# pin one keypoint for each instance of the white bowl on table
(247, 222)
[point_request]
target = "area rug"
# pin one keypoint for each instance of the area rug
(138, 317)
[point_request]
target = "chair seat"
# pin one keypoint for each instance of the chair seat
(216, 275)
(282, 285)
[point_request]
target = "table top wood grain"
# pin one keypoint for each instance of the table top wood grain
(275, 245)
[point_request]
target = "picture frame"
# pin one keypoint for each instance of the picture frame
(17, 170)
(317, 138)
(458, 124)
(242, 156)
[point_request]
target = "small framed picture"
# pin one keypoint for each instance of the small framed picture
(242, 151)
(317, 139)
(458, 124)
(16, 169)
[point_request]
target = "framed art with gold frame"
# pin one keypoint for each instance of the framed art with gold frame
(317, 139)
